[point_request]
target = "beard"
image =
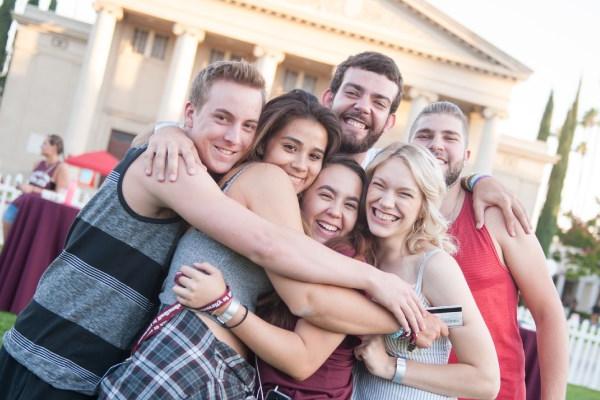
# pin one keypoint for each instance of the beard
(453, 173)
(351, 145)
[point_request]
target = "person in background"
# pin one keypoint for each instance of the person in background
(49, 174)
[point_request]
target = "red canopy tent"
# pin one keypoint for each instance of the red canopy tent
(99, 161)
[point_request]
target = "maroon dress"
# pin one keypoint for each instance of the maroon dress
(333, 380)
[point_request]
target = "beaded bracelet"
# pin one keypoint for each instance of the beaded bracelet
(400, 334)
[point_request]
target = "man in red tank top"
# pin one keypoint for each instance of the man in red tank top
(496, 265)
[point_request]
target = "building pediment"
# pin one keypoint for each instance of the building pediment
(413, 26)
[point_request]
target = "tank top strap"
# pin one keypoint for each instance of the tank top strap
(426, 256)
(227, 184)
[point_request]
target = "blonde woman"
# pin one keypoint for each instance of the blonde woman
(402, 206)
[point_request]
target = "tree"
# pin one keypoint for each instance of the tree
(546, 121)
(5, 21)
(547, 228)
(583, 243)
(52, 6)
(34, 3)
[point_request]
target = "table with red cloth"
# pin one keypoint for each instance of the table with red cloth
(532, 366)
(36, 237)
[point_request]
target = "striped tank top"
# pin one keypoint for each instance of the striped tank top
(98, 295)
(367, 386)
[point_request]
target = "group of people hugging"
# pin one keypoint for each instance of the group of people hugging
(268, 251)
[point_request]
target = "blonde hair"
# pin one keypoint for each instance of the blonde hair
(431, 226)
(239, 72)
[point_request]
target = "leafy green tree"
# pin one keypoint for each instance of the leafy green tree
(583, 241)
(52, 6)
(34, 3)
(546, 227)
(546, 121)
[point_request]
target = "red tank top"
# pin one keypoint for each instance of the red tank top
(496, 295)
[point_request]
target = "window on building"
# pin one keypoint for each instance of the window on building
(119, 143)
(159, 46)
(309, 83)
(298, 79)
(290, 80)
(216, 55)
(221, 55)
(139, 41)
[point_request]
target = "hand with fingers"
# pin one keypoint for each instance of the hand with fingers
(490, 192)
(372, 353)
(199, 285)
(400, 299)
(434, 328)
(165, 146)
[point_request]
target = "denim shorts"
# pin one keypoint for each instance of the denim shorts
(10, 214)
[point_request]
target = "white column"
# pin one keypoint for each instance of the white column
(419, 99)
(91, 77)
(266, 62)
(180, 71)
(488, 144)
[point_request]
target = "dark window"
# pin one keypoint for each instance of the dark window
(159, 47)
(140, 38)
(119, 143)
(216, 55)
(309, 83)
(290, 80)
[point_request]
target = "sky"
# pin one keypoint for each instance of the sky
(558, 40)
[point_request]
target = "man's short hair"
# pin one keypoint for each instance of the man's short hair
(233, 71)
(442, 107)
(373, 62)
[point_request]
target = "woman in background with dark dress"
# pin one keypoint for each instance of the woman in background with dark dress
(49, 174)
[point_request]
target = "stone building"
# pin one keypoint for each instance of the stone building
(99, 85)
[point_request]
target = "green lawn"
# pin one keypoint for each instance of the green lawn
(573, 392)
(6, 321)
(581, 393)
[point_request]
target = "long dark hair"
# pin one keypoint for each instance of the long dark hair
(357, 244)
(281, 110)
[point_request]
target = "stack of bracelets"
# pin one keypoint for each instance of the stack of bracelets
(233, 305)
(468, 182)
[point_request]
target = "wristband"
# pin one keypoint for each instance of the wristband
(223, 299)
(464, 182)
(400, 370)
(229, 312)
(477, 178)
(163, 124)
(473, 179)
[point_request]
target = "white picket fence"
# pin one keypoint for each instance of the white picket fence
(584, 349)
(9, 192)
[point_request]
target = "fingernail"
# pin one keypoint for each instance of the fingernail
(148, 172)
(192, 171)
(161, 177)
(172, 177)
